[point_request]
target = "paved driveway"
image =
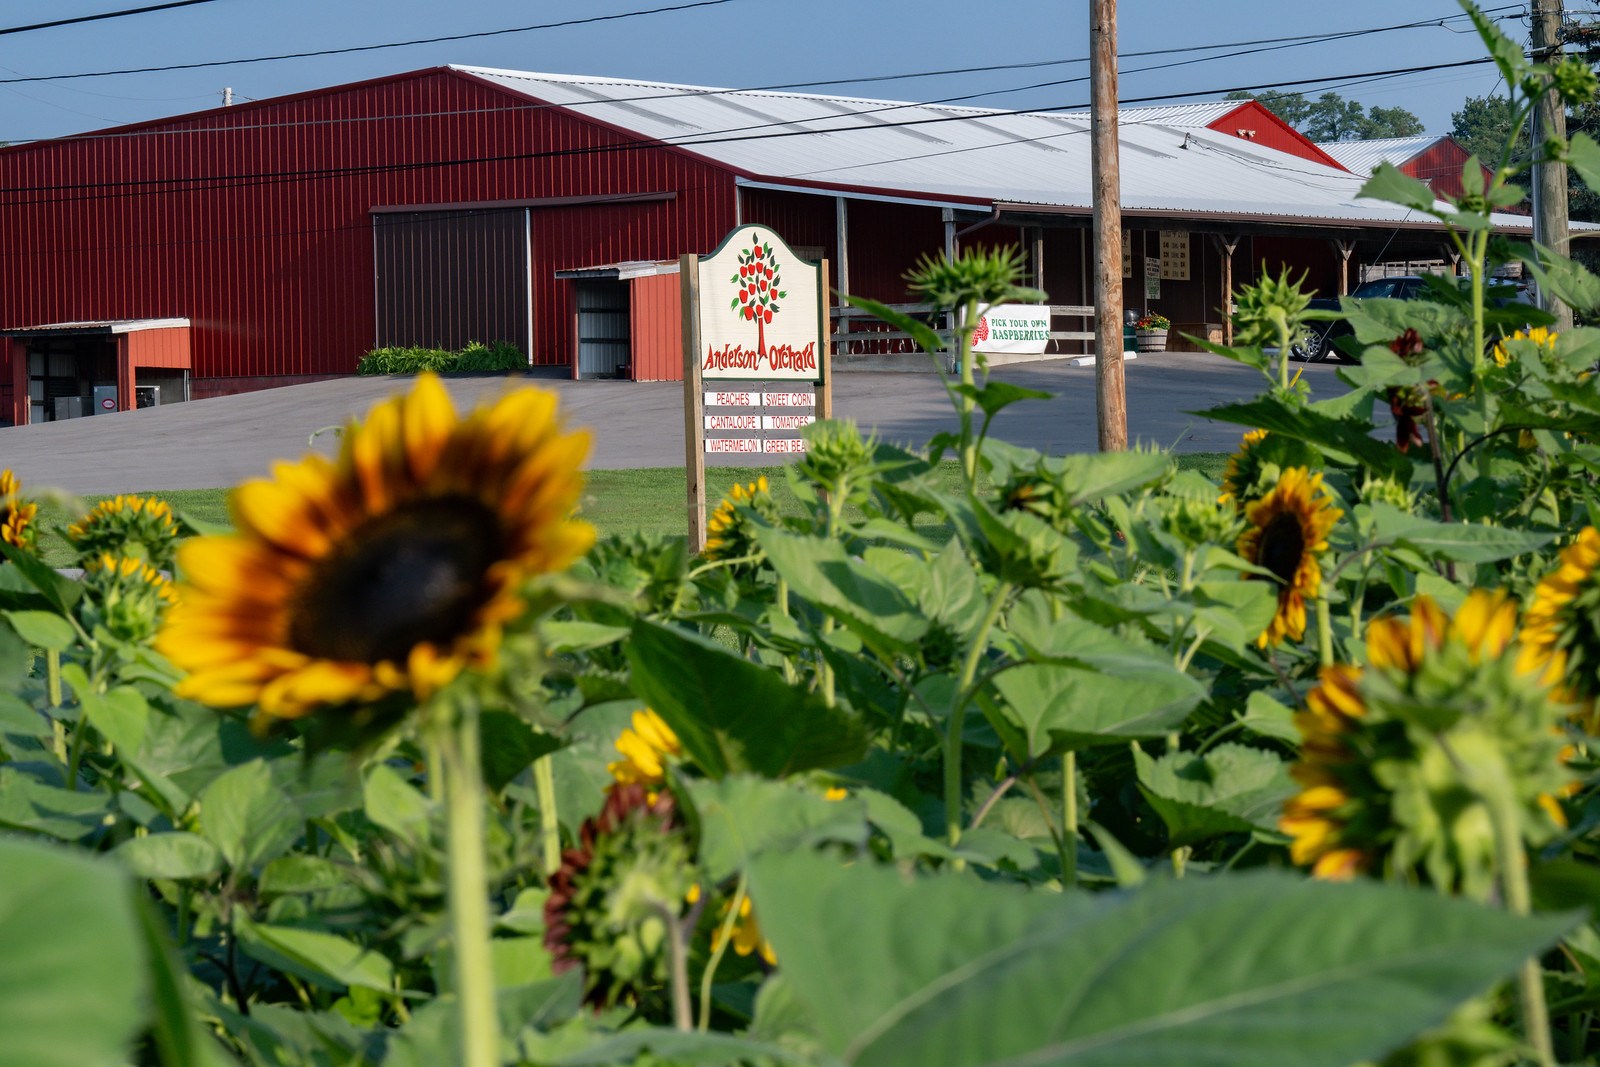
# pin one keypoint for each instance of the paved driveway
(222, 441)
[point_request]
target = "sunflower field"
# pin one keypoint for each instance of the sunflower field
(406, 768)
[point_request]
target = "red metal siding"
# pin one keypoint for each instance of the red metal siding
(886, 240)
(656, 328)
(253, 221)
(1255, 123)
(1440, 165)
(167, 347)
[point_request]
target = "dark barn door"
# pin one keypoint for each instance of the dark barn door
(603, 344)
(448, 277)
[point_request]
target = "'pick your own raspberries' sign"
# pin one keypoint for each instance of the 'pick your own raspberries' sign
(760, 315)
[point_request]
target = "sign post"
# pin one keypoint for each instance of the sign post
(694, 434)
(753, 311)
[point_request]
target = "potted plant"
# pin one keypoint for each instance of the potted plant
(1151, 331)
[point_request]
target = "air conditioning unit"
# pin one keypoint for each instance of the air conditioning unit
(69, 407)
(147, 396)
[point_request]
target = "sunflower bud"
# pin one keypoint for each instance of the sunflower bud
(1575, 81)
(134, 527)
(1270, 312)
(17, 527)
(608, 904)
(729, 529)
(125, 596)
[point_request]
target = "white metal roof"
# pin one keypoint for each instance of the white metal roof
(1363, 157)
(1170, 161)
(102, 326)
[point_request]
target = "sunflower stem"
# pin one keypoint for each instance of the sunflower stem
(544, 782)
(1324, 632)
(52, 676)
(682, 1010)
(781, 602)
(468, 891)
(958, 714)
(1069, 818)
(724, 936)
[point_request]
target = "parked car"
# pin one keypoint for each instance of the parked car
(1318, 341)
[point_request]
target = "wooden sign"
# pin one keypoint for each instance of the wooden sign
(1175, 255)
(752, 310)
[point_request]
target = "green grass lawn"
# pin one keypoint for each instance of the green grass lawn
(649, 500)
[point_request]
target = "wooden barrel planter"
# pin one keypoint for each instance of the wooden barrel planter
(1152, 340)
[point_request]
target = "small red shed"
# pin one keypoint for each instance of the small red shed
(69, 369)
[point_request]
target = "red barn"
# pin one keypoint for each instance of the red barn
(1438, 161)
(277, 241)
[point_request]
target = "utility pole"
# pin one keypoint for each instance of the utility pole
(1550, 179)
(1111, 400)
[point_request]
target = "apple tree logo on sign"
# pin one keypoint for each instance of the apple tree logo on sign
(758, 297)
(761, 309)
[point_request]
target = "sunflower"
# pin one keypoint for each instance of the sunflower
(1542, 336)
(132, 526)
(644, 750)
(126, 596)
(729, 529)
(746, 933)
(1383, 748)
(1561, 628)
(633, 861)
(384, 571)
(16, 518)
(1288, 528)
(1242, 468)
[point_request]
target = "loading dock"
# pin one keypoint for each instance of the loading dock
(69, 369)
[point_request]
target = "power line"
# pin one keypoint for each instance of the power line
(361, 47)
(102, 16)
(1277, 43)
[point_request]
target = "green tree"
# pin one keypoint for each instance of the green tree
(1483, 126)
(1290, 107)
(1333, 118)
(1392, 122)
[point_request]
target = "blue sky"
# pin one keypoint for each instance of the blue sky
(735, 44)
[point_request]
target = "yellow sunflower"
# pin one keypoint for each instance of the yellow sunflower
(1539, 335)
(387, 570)
(1561, 628)
(644, 750)
(1377, 784)
(1288, 528)
(1242, 468)
(16, 517)
(746, 933)
(727, 534)
(126, 526)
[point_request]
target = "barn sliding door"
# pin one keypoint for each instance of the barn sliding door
(448, 277)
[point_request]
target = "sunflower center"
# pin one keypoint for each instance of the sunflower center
(1283, 543)
(415, 574)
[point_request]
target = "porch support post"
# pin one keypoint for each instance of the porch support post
(1343, 250)
(1225, 246)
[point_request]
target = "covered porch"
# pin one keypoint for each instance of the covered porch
(73, 369)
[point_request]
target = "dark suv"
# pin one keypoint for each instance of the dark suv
(1317, 343)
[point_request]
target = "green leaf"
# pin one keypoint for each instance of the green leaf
(920, 332)
(1583, 156)
(61, 592)
(741, 817)
(300, 873)
(1345, 441)
(856, 594)
(1458, 541)
(1090, 476)
(248, 817)
(1387, 183)
(396, 805)
(1268, 718)
(326, 959)
(1230, 789)
(19, 717)
(176, 855)
(646, 1044)
(1261, 970)
(1062, 708)
(734, 715)
(121, 714)
(44, 629)
(1566, 278)
(576, 635)
(72, 971)
(997, 395)
(510, 745)
(175, 1028)
(29, 804)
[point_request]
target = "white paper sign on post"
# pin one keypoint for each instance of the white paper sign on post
(1020, 328)
(758, 310)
